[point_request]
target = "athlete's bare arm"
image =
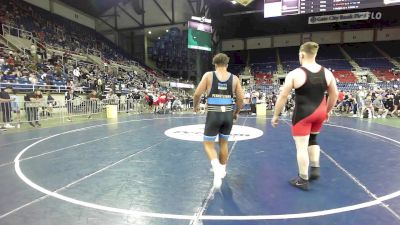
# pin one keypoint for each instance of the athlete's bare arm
(239, 94)
(332, 90)
(283, 96)
(201, 88)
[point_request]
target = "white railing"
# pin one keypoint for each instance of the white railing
(42, 111)
(42, 87)
(7, 29)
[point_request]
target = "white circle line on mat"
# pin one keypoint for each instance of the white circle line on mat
(22, 176)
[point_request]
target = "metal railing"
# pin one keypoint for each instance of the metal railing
(42, 87)
(7, 29)
(42, 111)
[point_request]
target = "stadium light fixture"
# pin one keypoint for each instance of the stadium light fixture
(243, 2)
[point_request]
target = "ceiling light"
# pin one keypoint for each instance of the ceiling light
(149, 32)
(234, 2)
(244, 2)
(167, 30)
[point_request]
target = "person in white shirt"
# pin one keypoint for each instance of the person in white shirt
(43, 76)
(33, 52)
(77, 73)
(112, 98)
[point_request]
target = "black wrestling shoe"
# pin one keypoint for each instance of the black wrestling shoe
(38, 124)
(33, 125)
(300, 183)
(314, 173)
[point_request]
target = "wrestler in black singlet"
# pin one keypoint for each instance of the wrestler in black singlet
(219, 109)
(310, 107)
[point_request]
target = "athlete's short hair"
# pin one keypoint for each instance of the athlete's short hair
(220, 59)
(310, 48)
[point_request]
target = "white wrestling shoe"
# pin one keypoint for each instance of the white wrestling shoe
(217, 181)
(219, 175)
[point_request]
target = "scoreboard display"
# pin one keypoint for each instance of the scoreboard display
(274, 8)
(199, 36)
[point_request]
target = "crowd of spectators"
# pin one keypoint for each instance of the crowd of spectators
(378, 103)
(58, 32)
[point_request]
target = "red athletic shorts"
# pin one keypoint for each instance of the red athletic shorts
(312, 123)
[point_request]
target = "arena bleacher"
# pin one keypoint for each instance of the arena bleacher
(69, 39)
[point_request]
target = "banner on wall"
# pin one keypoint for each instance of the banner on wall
(181, 85)
(344, 17)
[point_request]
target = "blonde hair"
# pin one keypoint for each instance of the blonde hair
(220, 59)
(310, 48)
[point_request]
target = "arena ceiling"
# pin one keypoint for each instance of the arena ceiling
(98, 7)
(138, 14)
(92, 7)
(131, 15)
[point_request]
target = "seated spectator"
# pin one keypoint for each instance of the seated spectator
(379, 108)
(396, 102)
(368, 107)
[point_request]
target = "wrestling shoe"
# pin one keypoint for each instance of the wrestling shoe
(314, 173)
(217, 183)
(300, 183)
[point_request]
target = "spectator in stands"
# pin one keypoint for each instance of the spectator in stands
(186, 98)
(92, 99)
(34, 52)
(368, 109)
(2, 63)
(15, 106)
(360, 101)
(32, 78)
(77, 74)
(389, 102)
(340, 104)
(396, 100)
(51, 103)
(69, 97)
(254, 97)
(35, 100)
(177, 105)
(112, 98)
(379, 108)
(100, 85)
(5, 106)
(149, 99)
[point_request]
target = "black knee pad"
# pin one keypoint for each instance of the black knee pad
(312, 140)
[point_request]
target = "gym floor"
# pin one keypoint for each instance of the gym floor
(129, 172)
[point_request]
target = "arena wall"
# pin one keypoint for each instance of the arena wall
(233, 45)
(388, 34)
(286, 40)
(260, 42)
(355, 36)
(65, 11)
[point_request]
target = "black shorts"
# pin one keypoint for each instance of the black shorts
(218, 123)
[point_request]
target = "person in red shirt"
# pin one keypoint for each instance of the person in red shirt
(340, 100)
(341, 96)
(149, 100)
(11, 61)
